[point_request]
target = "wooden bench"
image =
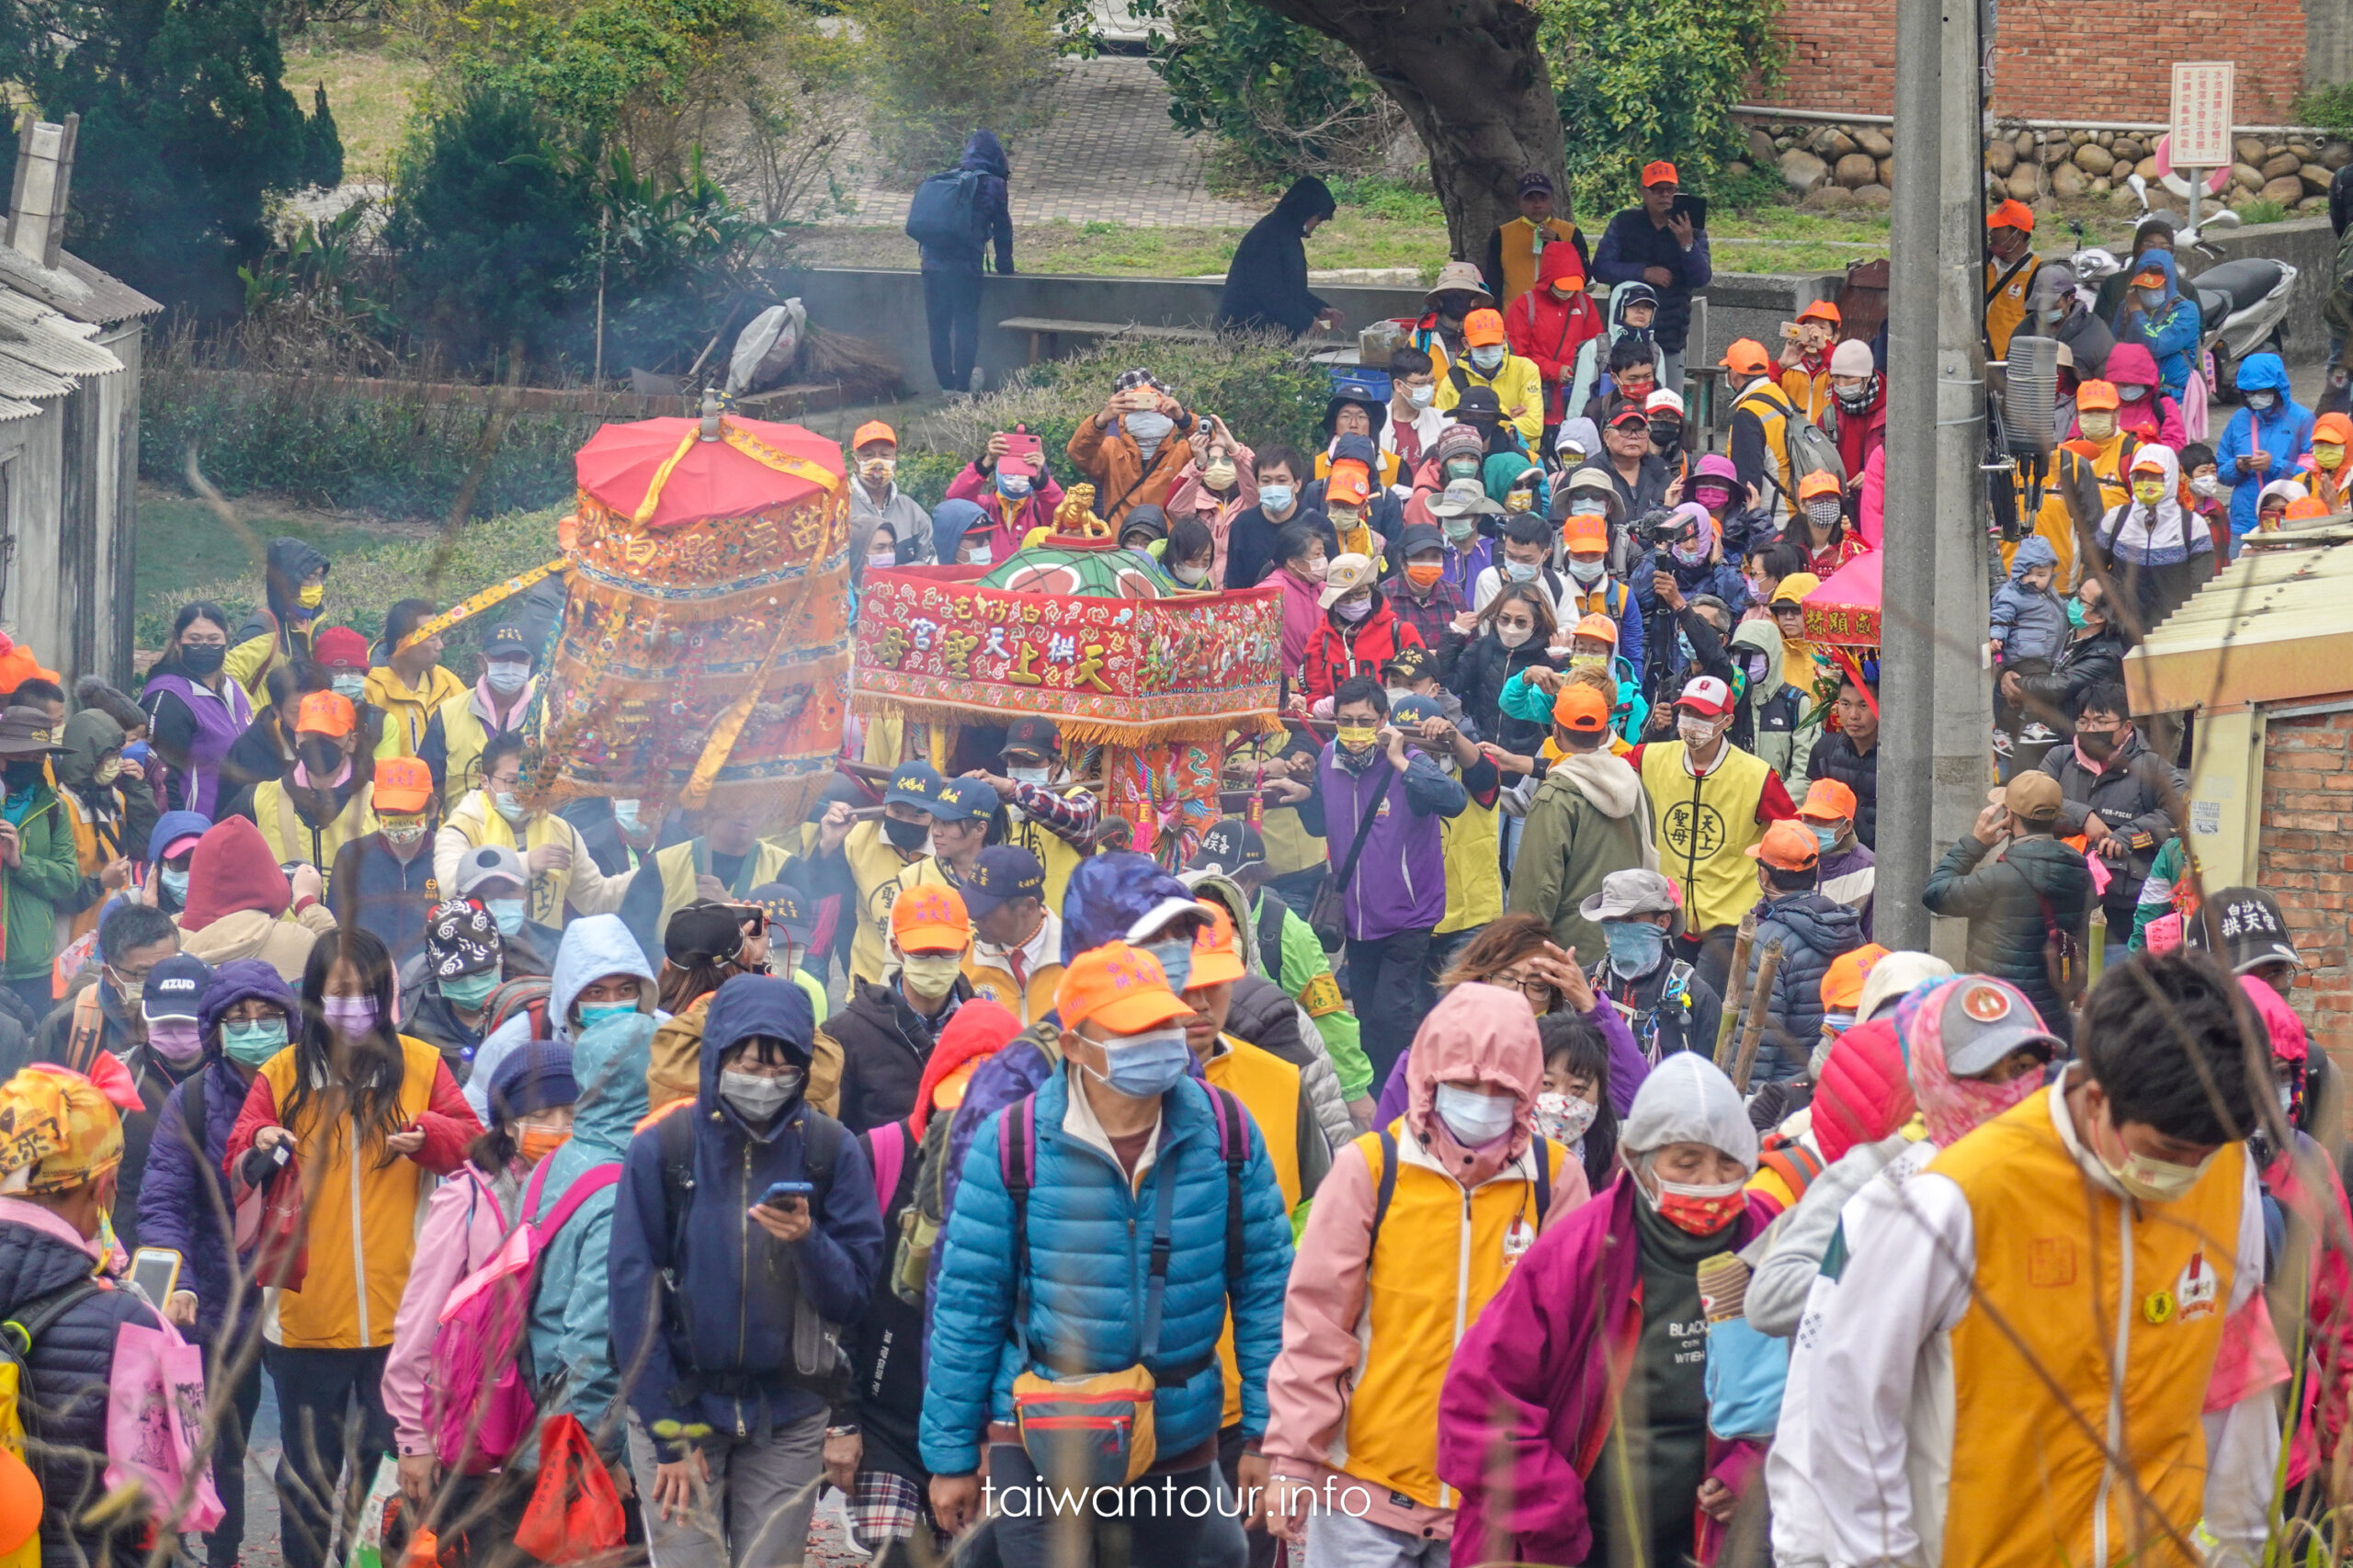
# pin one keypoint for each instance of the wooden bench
(1046, 332)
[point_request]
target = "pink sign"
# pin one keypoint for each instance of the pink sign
(2202, 113)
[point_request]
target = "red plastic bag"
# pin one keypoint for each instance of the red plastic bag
(271, 1229)
(575, 1511)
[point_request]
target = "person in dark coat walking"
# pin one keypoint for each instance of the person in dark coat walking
(185, 1204)
(1811, 929)
(1265, 286)
(2025, 895)
(2120, 795)
(60, 1170)
(1850, 754)
(951, 274)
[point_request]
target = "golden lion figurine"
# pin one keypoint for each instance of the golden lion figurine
(1076, 514)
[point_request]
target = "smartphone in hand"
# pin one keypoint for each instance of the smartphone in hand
(781, 1193)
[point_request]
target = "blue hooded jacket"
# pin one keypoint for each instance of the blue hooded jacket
(1091, 1232)
(2170, 332)
(2283, 431)
(950, 523)
(715, 1348)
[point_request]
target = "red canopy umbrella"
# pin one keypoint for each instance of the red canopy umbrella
(664, 472)
(1843, 610)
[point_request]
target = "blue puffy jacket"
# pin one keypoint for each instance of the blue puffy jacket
(1090, 1237)
(2283, 430)
(2170, 332)
(717, 1348)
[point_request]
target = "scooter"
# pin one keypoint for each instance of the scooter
(2240, 303)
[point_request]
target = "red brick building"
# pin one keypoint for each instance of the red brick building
(2090, 59)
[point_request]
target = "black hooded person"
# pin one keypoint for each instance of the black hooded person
(1265, 287)
(294, 584)
(952, 271)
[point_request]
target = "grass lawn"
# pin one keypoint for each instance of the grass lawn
(369, 88)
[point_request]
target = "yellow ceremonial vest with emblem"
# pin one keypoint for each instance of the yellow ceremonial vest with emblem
(290, 838)
(675, 866)
(1054, 853)
(1705, 827)
(1472, 847)
(874, 866)
(544, 900)
(996, 982)
(1436, 1264)
(2005, 294)
(407, 711)
(1267, 1088)
(463, 734)
(2064, 1270)
(1518, 247)
(1290, 847)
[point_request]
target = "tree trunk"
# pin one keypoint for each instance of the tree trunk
(1468, 76)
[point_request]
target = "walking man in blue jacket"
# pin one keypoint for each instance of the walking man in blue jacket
(1142, 1206)
(745, 1233)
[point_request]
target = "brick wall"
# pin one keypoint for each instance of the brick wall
(2097, 60)
(2307, 861)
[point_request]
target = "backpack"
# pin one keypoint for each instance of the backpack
(1796, 1164)
(20, 1412)
(1808, 448)
(479, 1403)
(816, 1343)
(1537, 1143)
(946, 209)
(1016, 1158)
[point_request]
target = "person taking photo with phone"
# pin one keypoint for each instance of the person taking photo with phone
(745, 1233)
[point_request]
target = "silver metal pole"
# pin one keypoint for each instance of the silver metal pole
(1908, 586)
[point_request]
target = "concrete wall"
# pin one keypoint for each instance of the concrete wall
(886, 306)
(2304, 243)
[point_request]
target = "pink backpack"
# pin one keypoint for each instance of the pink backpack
(478, 1404)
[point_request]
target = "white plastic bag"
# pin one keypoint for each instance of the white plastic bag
(766, 348)
(367, 1541)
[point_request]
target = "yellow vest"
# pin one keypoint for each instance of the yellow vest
(1437, 1263)
(1772, 407)
(1518, 247)
(996, 982)
(1475, 878)
(464, 735)
(2007, 309)
(1290, 847)
(407, 712)
(1267, 1088)
(2051, 1261)
(676, 866)
(479, 822)
(1705, 827)
(290, 838)
(874, 866)
(1056, 854)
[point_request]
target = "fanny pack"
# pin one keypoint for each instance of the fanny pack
(1082, 1431)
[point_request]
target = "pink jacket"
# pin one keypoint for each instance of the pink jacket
(1185, 501)
(463, 1227)
(1037, 512)
(1479, 1034)
(1529, 1399)
(1301, 616)
(1872, 515)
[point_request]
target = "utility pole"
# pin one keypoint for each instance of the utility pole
(1907, 545)
(1965, 707)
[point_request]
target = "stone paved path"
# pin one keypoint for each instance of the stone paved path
(1111, 156)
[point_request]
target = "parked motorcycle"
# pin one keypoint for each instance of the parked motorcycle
(2240, 303)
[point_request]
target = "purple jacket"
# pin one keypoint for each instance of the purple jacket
(1528, 1401)
(1628, 1067)
(184, 1205)
(1400, 881)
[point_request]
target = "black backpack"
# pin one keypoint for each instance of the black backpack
(945, 209)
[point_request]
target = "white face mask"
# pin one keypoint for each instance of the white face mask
(1695, 731)
(1420, 396)
(1488, 358)
(1191, 576)
(1474, 1119)
(1027, 774)
(931, 974)
(1587, 571)
(2207, 485)
(506, 677)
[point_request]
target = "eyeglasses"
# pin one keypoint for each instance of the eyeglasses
(1525, 985)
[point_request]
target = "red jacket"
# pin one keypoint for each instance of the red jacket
(1542, 326)
(1333, 656)
(1860, 435)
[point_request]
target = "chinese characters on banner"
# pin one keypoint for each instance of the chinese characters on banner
(2201, 114)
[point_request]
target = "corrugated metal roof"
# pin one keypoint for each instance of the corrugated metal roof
(11, 409)
(77, 288)
(40, 336)
(21, 380)
(2272, 628)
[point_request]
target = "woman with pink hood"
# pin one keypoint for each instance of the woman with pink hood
(1574, 1416)
(1415, 1227)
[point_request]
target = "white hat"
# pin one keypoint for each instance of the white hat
(1661, 399)
(1895, 976)
(1345, 575)
(1852, 357)
(1687, 1099)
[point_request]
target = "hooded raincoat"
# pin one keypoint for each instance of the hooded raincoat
(2161, 551)
(1265, 286)
(239, 903)
(2168, 331)
(1550, 329)
(592, 948)
(2030, 623)
(280, 630)
(1782, 728)
(2278, 435)
(1383, 1294)
(2153, 415)
(109, 821)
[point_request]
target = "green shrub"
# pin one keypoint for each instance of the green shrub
(2262, 212)
(1265, 387)
(2328, 109)
(936, 70)
(1285, 98)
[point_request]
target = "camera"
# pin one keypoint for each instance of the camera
(1656, 526)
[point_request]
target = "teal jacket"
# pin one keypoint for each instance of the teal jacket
(49, 876)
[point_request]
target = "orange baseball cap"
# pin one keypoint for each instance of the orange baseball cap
(1598, 626)
(872, 430)
(927, 919)
(1659, 173)
(1481, 328)
(326, 713)
(1842, 986)
(1348, 483)
(1215, 958)
(2149, 277)
(1826, 800)
(1124, 987)
(1580, 709)
(2094, 394)
(1787, 846)
(1747, 357)
(1820, 310)
(1586, 534)
(2011, 214)
(403, 786)
(1821, 482)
